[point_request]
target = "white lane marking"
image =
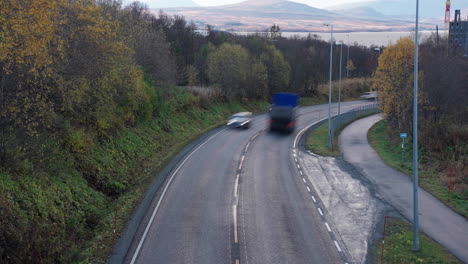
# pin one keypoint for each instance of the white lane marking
(328, 227)
(236, 184)
(337, 246)
(294, 150)
(313, 198)
(308, 189)
(140, 244)
(298, 166)
(304, 180)
(320, 211)
(301, 172)
(242, 161)
(247, 147)
(234, 214)
(294, 154)
(295, 159)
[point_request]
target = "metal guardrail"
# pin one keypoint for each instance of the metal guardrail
(339, 120)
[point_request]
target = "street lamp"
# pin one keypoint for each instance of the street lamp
(347, 61)
(339, 83)
(330, 85)
(415, 138)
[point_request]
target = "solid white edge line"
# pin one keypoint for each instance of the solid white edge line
(328, 227)
(320, 211)
(337, 246)
(140, 244)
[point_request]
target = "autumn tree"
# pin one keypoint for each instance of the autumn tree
(394, 82)
(277, 68)
(227, 67)
(27, 42)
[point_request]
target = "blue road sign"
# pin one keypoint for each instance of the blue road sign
(403, 135)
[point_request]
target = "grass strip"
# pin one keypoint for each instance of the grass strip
(317, 140)
(399, 247)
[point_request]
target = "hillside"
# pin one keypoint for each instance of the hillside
(291, 16)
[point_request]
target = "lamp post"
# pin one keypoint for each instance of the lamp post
(330, 85)
(339, 83)
(347, 61)
(415, 138)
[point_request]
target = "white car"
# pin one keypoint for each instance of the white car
(240, 120)
(370, 95)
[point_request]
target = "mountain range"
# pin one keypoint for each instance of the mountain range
(258, 15)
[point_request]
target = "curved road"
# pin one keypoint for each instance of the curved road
(239, 197)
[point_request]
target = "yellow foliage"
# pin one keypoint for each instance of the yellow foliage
(27, 28)
(394, 82)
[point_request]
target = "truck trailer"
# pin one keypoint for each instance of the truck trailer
(283, 112)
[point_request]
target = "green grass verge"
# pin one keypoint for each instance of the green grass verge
(399, 247)
(389, 150)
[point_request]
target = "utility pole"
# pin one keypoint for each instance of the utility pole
(415, 138)
(339, 84)
(330, 86)
(347, 61)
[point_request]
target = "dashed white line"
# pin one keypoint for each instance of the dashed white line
(313, 198)
(328, 227)
(242, 161)
(234, 214)
(308, 189)
(294, 155)
(320, 211)
(304, 180)
(298, 166)
(337, 246)
(301, 172)
(236, 184)
(295, 159)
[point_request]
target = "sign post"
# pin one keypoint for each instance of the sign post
(403, 136)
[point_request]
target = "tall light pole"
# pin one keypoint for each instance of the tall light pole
(415, 138)
(347, 61)
(330, 85)
(339, 83)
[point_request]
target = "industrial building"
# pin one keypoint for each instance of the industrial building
(458, 32)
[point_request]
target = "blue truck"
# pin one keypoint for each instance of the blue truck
(283, 112)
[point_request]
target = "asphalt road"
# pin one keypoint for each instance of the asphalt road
(239, 198)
